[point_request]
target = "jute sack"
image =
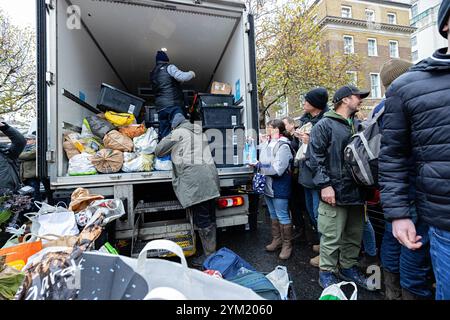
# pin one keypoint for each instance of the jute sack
(108, 161)
(116, 141)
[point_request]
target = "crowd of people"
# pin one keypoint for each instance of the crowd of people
(413, 174)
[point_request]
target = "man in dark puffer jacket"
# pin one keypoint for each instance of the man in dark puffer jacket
(417, 123)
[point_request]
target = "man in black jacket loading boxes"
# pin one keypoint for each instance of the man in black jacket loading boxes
(169, 99)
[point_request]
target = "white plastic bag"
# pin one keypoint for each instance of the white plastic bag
(81, 165)
(334, 292)
(142, 163)
(280, 280)
(146, 143)
(192, 284)
(53, 220)
(304, 147)
(163, 164)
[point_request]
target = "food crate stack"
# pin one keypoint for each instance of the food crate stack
(112, 141)
(222, 123)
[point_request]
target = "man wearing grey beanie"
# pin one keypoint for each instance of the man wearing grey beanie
(416, 126)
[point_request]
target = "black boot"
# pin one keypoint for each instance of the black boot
(208, 240)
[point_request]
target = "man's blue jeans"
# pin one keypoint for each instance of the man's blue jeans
(440, 256)
(165, 117)
(412, 265)
(279, 209)
(312, 199)
(369, 240)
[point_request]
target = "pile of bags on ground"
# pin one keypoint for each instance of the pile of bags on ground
(110, 143)
(33, 259)
(226, 264)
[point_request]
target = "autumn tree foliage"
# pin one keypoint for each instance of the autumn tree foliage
(291, 53)
(17, 68)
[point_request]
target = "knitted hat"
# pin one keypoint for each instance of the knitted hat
(444, 13)
(318, 98)
(162, 56)
(177, 119)
(393, 69)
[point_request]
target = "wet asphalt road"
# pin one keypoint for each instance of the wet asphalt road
(250, 246)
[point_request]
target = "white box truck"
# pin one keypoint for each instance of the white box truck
(84, 43)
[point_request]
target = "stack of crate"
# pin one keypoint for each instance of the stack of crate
(222, 124)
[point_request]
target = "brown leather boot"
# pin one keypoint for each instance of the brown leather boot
(276, 237)
(286, 235)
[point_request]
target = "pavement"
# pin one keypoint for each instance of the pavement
(250, 246)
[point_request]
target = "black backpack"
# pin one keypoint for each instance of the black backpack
(361, 154)
(291, 168)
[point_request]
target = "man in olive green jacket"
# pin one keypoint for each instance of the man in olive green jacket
(195, 178)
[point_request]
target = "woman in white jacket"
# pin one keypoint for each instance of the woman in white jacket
(275, 163)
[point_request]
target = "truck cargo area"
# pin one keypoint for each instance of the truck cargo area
(116, 43)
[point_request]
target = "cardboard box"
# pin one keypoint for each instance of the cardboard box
(220, 88)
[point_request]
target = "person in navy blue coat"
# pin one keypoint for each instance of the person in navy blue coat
(416, 124)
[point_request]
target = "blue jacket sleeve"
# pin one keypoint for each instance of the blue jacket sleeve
(394, 160)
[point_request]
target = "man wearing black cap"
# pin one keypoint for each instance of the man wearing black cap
(341, 209)
(169, 99)
(416, 125)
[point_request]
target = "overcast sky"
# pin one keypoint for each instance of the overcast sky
(21, 12)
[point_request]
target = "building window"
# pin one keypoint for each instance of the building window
(372, 47)
(393, 49)
(353, 77)
(392, 18)
(346, 12)
(375, 85)
(348, 45)
(284, 109)
(414, 10)
(414, 41)
(370, 15)
(415, 55)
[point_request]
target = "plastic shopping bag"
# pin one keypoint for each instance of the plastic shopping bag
(280, 279)
(116, 141)
(142, 163)
(81, 165)
(191, 283)
(53, 220)
(146, 143)
(17, 256)
(334, 292)
(120, 119)
(163, 164)
(10, 281)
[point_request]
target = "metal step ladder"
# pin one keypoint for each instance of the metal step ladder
(178, 231)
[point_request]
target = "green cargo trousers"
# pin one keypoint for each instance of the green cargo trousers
(342, 230)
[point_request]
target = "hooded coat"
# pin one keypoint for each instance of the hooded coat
(416, 123)
(195, 177)
(9, 167)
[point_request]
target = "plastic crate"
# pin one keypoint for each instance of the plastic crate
(215, 100)
(113, 99)
(227, 137)
(227, 157)
(221, 117)
(151, 117)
